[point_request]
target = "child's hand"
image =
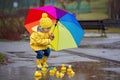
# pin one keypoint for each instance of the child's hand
(52, 36)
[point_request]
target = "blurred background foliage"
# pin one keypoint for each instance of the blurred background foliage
(84, 9)
(14, 12)
(12, 17)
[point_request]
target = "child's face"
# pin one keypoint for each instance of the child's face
(46, 30)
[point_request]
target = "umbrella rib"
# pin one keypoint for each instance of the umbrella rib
(58, 34)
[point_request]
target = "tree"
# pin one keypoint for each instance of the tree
(42, 2)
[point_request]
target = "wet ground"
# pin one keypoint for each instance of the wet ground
(21, 60)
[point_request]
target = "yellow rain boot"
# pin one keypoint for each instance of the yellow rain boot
(44, 59)
(39, 63)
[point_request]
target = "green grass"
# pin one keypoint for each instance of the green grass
(99, 10)
(2, 58)
(92, 16)
(113, 30)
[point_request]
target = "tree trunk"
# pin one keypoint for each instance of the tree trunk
(115, 9)
(42, 2)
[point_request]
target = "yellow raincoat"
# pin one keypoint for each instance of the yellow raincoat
(39, 40)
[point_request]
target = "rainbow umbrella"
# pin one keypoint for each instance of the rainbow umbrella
(67, 31)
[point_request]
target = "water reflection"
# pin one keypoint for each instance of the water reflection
(16, 73)
(91, 71)
(83, 71)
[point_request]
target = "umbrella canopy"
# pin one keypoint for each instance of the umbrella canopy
(67, 31)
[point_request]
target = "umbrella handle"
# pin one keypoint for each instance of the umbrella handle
(55, 25)
(54, 28)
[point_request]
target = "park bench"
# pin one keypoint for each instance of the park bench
(112, 23)
(94, 25)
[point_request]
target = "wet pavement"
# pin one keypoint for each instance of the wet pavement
(87, 61)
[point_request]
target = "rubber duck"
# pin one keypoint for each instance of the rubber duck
(69, 69)
(70, 72)
(55, 69)
(61, 74)
(63, 68)
(57, 74)
(52, 72)
(37, 75)
(44, 71)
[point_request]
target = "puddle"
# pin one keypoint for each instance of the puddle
(92, 71)
(83, 71)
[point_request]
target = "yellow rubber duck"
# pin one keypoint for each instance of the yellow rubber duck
(55, 69)
(61, 74)
(63, 68)
(57, 74)
(70, 71)
(72, 74)
(52, 72)
(37, 75)
(44, 71)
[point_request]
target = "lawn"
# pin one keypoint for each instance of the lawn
(2, 58)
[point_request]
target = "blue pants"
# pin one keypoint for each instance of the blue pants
(42, 53)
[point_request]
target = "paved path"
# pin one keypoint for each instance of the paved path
(22, 60)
